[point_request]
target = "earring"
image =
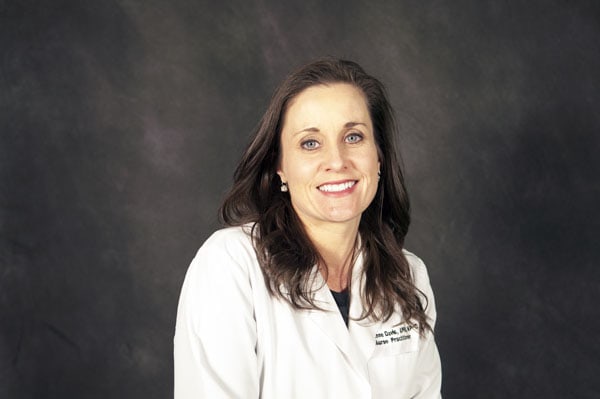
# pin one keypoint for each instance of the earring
(284, 187)
(378, 174)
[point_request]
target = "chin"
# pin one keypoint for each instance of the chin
(344, 217)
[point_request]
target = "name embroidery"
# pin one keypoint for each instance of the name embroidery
(398, 334)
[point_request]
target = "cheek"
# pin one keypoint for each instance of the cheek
(299, 174)
(371, 162)
(298, 170)
(287, 165)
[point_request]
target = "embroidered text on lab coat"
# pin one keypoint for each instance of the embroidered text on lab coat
(398, 334)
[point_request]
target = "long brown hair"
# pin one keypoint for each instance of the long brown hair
(285, 253)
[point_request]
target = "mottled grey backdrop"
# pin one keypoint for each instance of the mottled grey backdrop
(122, 121)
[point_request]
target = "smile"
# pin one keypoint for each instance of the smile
(336, 188)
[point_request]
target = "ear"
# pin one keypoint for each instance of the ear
(282, 176)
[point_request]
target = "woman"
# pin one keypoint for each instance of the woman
(309, 293)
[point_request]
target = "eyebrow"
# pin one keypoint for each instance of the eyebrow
(347, 125)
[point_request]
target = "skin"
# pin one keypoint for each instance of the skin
(329, 160)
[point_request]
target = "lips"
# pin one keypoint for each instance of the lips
(336, 187)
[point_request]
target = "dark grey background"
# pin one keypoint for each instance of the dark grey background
(122, 121)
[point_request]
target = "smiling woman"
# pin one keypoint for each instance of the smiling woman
(331, 167)
(308, 292)
(331, 170)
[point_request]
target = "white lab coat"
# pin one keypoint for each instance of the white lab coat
(234, 340)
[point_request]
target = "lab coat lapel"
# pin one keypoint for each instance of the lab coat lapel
(361, 331)
(329, 319)
(332, 325)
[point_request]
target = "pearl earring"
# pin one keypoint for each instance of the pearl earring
(284, 187)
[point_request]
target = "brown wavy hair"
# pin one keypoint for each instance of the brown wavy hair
(285, 252)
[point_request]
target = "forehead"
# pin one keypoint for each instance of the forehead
(329, 103)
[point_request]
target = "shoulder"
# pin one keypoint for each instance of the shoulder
(421, 281)
(230, 242)
(218, 287)
(226, 252)
(223, 268)
(228, 238)
(417, 268)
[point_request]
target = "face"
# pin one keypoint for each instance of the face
(329, 154)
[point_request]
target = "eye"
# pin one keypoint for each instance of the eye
(354, 138)
(310, 144)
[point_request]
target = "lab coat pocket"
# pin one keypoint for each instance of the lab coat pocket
(392, 365)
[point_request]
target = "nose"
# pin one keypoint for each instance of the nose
(336, 158)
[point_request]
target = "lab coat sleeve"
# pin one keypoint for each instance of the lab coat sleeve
(428, 377)
(215, 333)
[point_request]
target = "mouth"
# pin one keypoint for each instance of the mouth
(337, 187)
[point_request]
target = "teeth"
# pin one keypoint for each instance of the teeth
(332, 188)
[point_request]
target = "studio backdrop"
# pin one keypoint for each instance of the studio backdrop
(121, 123)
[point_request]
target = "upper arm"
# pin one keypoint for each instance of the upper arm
(215, 333)
(428, 373)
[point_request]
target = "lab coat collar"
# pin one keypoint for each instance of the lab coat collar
(332, 325)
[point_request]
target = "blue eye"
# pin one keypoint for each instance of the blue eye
(310, 144)
(354, 138)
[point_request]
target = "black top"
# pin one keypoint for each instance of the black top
(342, 299)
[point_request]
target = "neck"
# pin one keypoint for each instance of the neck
(336, 245)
